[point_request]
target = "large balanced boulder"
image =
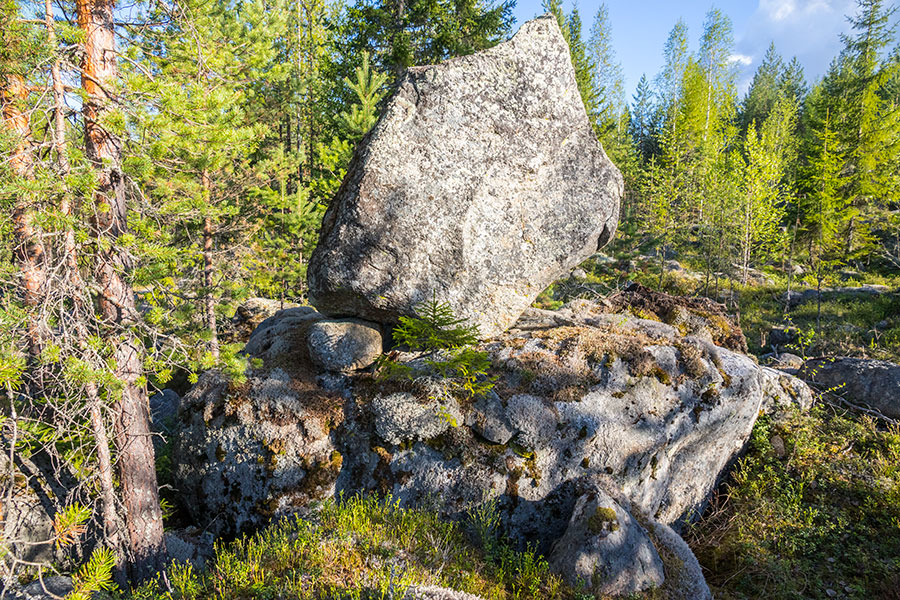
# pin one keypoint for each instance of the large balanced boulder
(482, 183)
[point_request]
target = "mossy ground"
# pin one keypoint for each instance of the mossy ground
(365, 548)
(819, 520)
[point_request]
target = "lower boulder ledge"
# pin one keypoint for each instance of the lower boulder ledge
(581, 395)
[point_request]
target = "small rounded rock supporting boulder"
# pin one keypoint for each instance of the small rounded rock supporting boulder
(482, 184)
(344, 345)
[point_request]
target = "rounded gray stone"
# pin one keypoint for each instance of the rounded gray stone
(344, 345)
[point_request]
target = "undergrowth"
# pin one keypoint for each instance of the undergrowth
(365, 548)
(819, 520)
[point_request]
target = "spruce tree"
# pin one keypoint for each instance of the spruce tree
(764, 89)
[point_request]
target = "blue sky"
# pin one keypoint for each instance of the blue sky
(808, 29)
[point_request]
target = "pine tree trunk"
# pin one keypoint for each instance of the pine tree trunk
(209, 300)
(135, 460)
(29, 250)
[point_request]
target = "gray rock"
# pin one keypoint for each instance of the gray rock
(488, 419)
(163, 410)
(874, 383)
(783, 390)
(244, 454)
(796, 297)
(51, 588)
(684, 576)
(26, 522)
(344, 345)
(606, 550)
(430, 592)
(190, 546)
(282, 337)
(482, 183)
(784, 360)
(250, 313)
(403, 417)
(781, 336)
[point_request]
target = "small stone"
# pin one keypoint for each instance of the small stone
(344, 345)
(605, 547)
(778, 446)
(830, 593)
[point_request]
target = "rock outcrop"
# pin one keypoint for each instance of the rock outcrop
(482, 183)
(874, 383)
(797, 297)
(584, 400)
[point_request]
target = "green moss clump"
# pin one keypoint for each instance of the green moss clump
(603, 520)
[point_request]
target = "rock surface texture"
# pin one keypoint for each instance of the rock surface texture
(482, 183)
(583, 400)
(344, 345)
(606, 550)
(875, 383)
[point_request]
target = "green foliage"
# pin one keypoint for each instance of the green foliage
(446, 342)
(365, 548)
(832, 500)
(94, 576)
(435, 328)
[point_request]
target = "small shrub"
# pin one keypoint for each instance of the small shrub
(446, 342)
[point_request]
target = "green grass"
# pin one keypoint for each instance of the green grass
(366, 548)
(824, 516)
(847, 326)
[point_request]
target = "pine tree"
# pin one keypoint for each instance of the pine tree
(115, 298)
(642, 123)
(417, 32)
(609, 78)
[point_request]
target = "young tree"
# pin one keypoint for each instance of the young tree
(609, 76)
(764, 90)
(642, 125)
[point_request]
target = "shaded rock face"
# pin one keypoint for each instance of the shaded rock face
(606, 550)
(875, 383)
(581, 395)
(249, 314)
(482, 183)
(247, 452)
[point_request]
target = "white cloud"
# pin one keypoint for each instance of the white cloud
(777, 10)
(807, 29)
(741, 59)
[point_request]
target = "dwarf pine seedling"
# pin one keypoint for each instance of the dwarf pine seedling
(446, 342)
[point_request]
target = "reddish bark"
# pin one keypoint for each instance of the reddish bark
(29, 249)
(136, 464)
